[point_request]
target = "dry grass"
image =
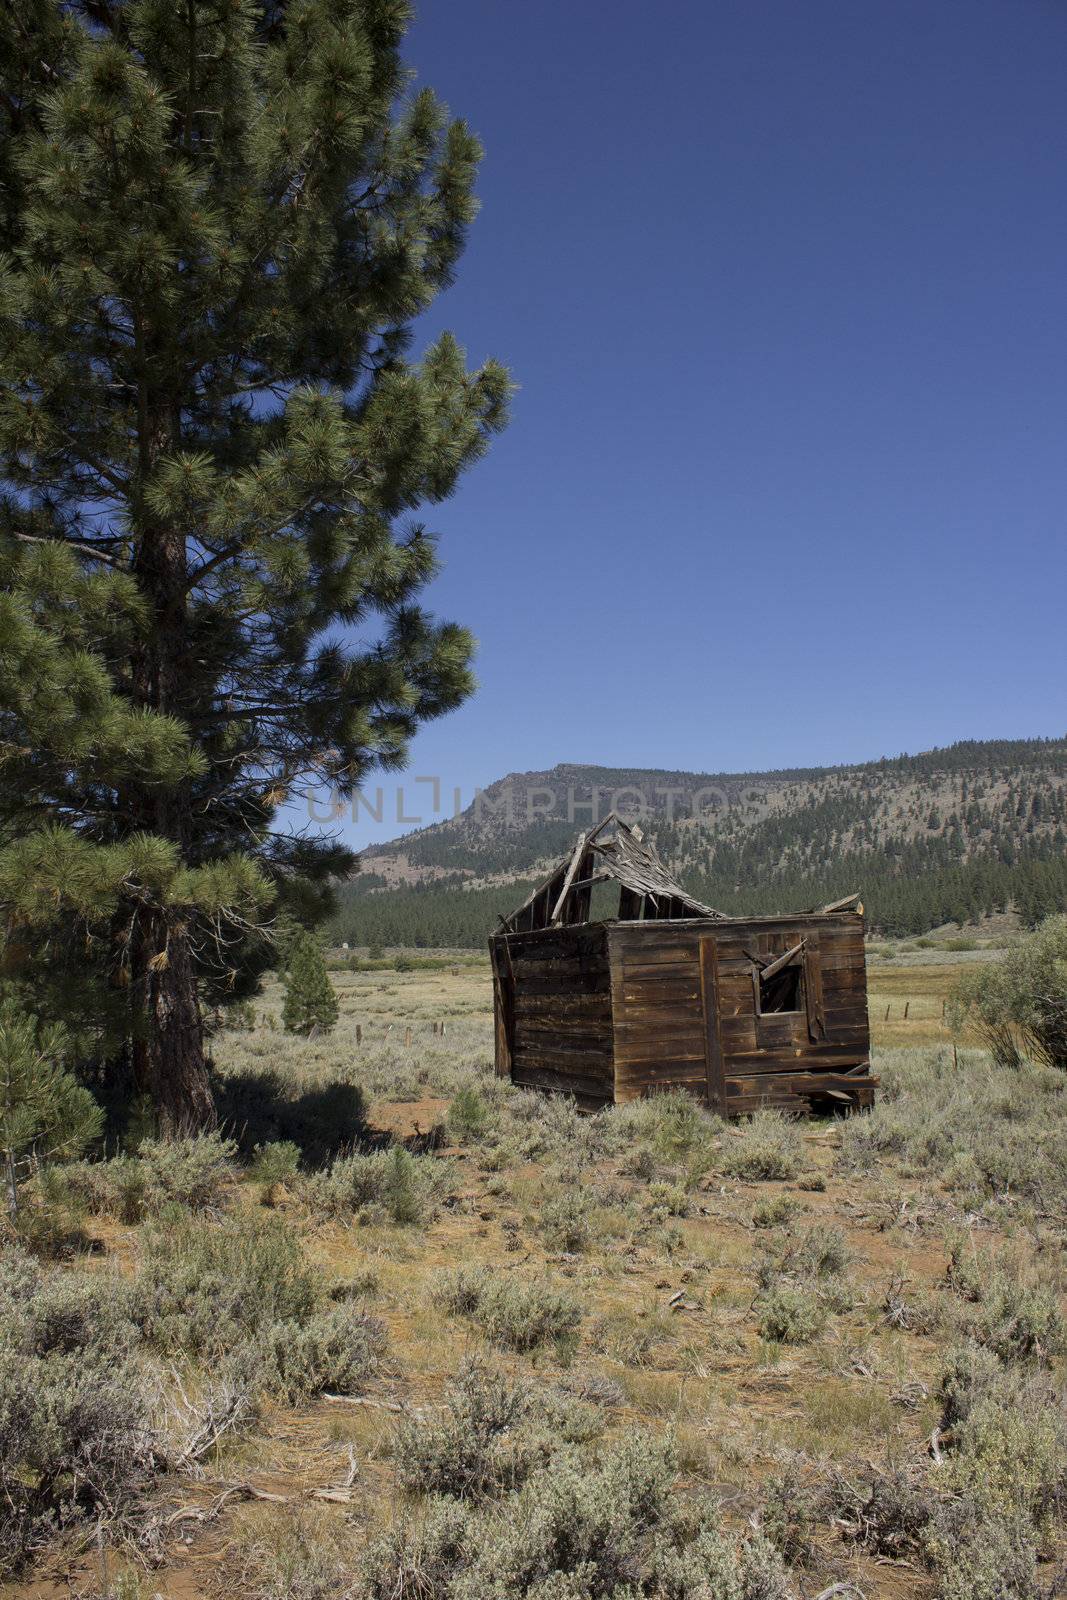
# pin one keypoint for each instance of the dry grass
(669, 1296)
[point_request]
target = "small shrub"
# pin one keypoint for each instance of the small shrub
(576, 1529)
(471, 1450)
(469, 1114)
(1021, 999)
(668, 1200)
(1018, 1320)
(422, 1557)
(75, 1433)
(1007, 1435)
(310, 1005)
(335, 1351)
(205, 1290)
(675, 1125)
(393, 1182)
(774, 1213)
(790, 1512)
(193, 1173)
(1021, 1321)
(565, 1223)
(815, 1262)
(513, 1314)
(789, 1315)
(274, 1166)
(770, 1147)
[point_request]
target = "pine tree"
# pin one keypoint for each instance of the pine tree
(43, 1109)
(217, 225)
(310, 1002)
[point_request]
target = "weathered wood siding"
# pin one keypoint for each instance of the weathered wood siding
(686, 1013)
(658, 1008)
(558, 1035)
(618, 1010)
(771, 1059)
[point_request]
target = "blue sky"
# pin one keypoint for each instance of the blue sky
(784, 289)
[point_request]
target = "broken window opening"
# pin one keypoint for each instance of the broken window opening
(783, 990)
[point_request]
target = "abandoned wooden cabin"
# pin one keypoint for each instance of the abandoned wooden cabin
(742, 1012)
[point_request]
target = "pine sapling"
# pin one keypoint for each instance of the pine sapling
(310, 1002)
(44, 1111)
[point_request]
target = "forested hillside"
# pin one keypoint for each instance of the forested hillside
(948, 835)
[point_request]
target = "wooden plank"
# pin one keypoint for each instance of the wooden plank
(813, 988)
(569, 877)
(665, 972)
(799, 1083)
(647, 1052)
(825, 1058)
(502, 1014)
(660, 992)
(583, 1003)
(713, 1054)
(564, 1083)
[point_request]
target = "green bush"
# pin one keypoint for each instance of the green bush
(564, 1221)
(776, 1212)
(392, 1183)
(491, 1435)
(512, 1313)
(674, 1125)
(76, 1440)
(1016, 1318)
(789, 1315)
(1021, 999)
(978, 1557)
(203, 1289)
(769, 1147)
(194, 1173)
(44, 1112)
(989, 1132)
(273, 1166)
(469, 1114)
(335, 1351)
(1007, 1436)
(608, 1528)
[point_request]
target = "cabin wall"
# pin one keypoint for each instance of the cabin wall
(770, 1058)
(553, 1007)
(686, 1014)
(658, 1008)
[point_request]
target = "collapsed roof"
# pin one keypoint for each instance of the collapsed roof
(647, 890)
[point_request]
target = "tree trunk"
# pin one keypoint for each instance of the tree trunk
(171, 1065)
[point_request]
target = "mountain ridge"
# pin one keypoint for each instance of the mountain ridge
(935, 836)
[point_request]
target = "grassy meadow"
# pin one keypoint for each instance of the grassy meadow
(486, 1346)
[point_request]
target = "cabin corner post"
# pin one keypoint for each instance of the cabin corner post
(709, 989)
(502, 1008)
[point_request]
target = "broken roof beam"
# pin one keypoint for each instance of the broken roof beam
(571, 873)
(851, 902)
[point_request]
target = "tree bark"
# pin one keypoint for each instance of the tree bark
(171, 1066)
